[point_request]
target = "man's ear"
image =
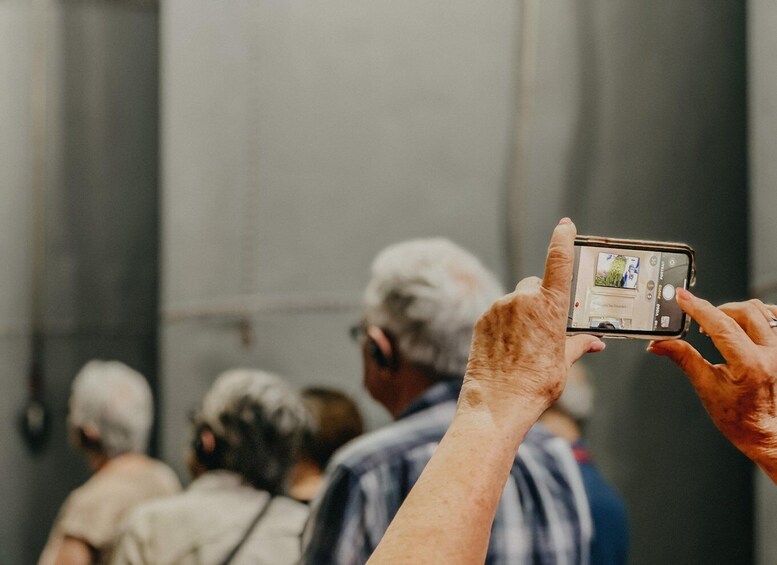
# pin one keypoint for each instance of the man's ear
(208, 439)
(205, 444)
(89, 437)
(380, 348)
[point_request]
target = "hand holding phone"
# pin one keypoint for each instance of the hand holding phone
(627, 288)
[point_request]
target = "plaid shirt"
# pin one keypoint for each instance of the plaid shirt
(542, 518)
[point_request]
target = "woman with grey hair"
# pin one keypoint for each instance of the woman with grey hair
(246, 437)
(110, 416)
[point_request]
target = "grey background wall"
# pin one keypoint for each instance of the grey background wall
(299, 138)
(762, 96)
(639, 115)
(100, 288)
(297, 141)
(15, 162)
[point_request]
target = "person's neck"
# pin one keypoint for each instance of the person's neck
(96, 461)
(411, 383)
(306, 478)
(561, 425)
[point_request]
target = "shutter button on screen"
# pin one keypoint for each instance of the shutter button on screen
(668, 292)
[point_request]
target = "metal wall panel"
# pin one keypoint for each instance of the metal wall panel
(298, 140)
(639, 130)
(15, 162)
(762, 96)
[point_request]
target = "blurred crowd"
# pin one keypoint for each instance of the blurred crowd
(280, 475)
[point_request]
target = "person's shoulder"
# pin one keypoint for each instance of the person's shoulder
(152, 518)
(83, 500)
(538, 434)
(163, 475)
(157, 528)
(398, 439)
(547, 449)
(288, 514)
(540, 437)
(136, 474)
(159, 509)
(287, 503)
(87, 516)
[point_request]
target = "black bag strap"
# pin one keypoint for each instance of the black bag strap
(228, 559)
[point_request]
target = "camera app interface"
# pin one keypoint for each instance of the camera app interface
(627, 289)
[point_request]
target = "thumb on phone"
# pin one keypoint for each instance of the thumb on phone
(579, 345)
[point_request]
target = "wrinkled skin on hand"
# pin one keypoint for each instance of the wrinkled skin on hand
(739, 395)
(520, 352)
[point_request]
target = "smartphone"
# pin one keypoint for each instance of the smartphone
(625, 288)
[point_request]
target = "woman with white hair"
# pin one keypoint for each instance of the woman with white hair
(110, 416)
(246, 437)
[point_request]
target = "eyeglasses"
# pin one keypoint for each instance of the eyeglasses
(358, 332)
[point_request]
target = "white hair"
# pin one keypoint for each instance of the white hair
(234, 388)
(577, 400)
(262, 421)
(428, 294)
(116, 402)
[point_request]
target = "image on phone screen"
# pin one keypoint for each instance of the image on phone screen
(628, 290)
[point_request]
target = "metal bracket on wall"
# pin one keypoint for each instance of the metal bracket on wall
(150, 4)
(239, 311)
(239, 307)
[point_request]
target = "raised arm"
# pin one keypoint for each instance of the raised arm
(517, 368)
(740, 395)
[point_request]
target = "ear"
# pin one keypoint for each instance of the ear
(89, 437)
(207, 442)
(384, 351)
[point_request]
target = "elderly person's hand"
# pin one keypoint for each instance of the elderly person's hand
(741, 394)
(520, 353)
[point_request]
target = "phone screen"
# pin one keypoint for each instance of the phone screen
(628, 290)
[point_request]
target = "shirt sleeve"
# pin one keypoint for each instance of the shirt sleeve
(336, 532)
(84, 518)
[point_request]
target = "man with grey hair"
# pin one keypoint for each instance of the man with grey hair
(246, 436)
(419, 310)
(110, 417)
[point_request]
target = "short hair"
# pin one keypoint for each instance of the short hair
(428, 294)
(259, 422)
(117, 402)
(577, 400)
(336, 421)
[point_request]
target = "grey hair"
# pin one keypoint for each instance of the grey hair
(261, 422)
(116, 401)
(428, 294)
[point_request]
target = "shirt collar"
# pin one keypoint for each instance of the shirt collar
(443, 391)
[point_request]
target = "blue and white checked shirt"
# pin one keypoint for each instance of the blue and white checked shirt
(543, 516)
